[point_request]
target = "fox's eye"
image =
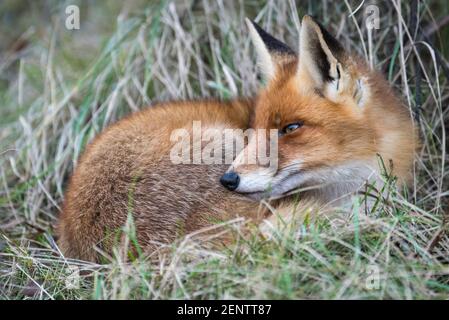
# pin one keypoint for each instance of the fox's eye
(290, 128)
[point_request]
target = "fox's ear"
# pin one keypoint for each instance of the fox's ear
(324, 63)
(320, 53)
(271, 52)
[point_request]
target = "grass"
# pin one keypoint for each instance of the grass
(60, 88)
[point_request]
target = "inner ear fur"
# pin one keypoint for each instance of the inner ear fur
(320, 53)
(326, 67)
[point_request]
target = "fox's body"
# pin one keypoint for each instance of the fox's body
(336, 120)
(127, 169)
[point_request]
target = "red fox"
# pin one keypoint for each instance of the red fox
(334, 119)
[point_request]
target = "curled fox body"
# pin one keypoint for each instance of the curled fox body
(335, 119)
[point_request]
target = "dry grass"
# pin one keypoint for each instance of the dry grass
(61, 88)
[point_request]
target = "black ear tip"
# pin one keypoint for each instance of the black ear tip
(249, 21)
(310, 18)
(258, 28)
(272, 44)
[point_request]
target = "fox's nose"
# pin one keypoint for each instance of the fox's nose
(230, 180)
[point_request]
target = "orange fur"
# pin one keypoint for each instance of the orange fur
(127, 170)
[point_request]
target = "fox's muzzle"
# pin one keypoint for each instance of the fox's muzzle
(230, 180)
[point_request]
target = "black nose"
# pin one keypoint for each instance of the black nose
(230, 180)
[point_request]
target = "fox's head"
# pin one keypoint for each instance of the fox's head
(324, 104)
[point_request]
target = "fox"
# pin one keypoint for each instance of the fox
(334, 118)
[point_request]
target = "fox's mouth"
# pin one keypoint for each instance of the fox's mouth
(283, 187)
(259, 195)
(256, 195)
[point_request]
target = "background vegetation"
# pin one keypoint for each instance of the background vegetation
(59, 88)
